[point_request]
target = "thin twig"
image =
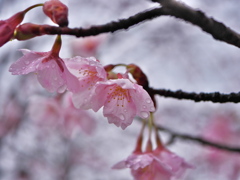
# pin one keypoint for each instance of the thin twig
(215, 97)
(198, 140)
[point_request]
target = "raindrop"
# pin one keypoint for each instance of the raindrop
(125, 110)
(144, 107)
(55, 78)
(148, 101)
(26, 62)
(144, 114)
(122, 117)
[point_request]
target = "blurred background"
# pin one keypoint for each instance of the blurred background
(37, 140)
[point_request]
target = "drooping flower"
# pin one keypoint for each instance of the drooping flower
(50, 69)
(89, 71)
(122, 101)
(57, 12)
(158, 164)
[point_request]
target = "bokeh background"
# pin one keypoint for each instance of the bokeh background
(173, 54)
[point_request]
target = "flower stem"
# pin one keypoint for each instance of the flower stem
(57, 45)
(140, 138)
(31, 7)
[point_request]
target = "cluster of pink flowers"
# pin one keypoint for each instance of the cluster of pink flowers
(154, 165)
(86, 78)
(92, 86)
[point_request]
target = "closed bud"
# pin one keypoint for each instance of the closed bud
(8, 26)
(57, 12)
(28, 31)
(138, 75)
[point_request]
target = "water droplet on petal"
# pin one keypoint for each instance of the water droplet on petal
(148, 101)
(144, 114)
(144, 107)
(122, 117)
(53, 66)
(55, 78)
(125, 110)
(23, 68)
(26, 62)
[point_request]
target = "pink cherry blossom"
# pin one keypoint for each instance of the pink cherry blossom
(159, 164)
(122, 101)
(51, 70)
(89, 71)
(59, 112)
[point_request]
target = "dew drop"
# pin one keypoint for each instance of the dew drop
(148, 101)
(53, 66)
(55, 78)
(125, 110)
(144, 114)
(122, 117)
(26, 62)
(23, 68)
(144, 107)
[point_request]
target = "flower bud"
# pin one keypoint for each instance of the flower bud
(8, 26)
(138, 75)
(28, 31)
(57, 12)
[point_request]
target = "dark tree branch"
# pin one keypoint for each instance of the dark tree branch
(198, 140)
(176, 9)
(215, 97)
(218, 30)
(105, 28)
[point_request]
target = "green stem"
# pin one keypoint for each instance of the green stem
(31, 7)
(57, 45)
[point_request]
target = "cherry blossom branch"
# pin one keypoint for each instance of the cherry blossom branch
(105, 28)
(215, 97)
(200, 140)
(218, 30)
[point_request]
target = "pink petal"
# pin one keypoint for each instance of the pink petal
(26, 64)
(50, 76)
(143, 102)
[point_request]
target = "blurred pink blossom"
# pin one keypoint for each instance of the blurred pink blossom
(87, 46)
(59, 112)
(159, 164)
(11, 117)
(223, 129)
